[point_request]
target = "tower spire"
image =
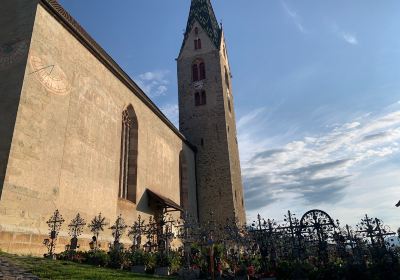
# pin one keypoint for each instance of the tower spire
(202, 12)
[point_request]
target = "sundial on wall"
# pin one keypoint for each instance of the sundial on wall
(12, 53)
(49, 74)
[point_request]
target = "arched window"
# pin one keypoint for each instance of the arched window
(183, 180)
(195, 72)
(197, 99)
(197, 44)
(198, 70)
(203, 98)
(202, 71)
(196, 30)
(200, 98)
(129, 155)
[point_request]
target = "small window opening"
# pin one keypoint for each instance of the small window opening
(200, 98)
(197, 44)
(202, 142)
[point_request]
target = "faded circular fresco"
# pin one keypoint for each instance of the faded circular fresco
(51, 76)
(12, 53)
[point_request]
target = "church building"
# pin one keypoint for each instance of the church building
(77, 134)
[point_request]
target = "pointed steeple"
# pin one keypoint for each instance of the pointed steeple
(202, 11)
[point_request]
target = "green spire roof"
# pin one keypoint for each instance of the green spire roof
(202, 11)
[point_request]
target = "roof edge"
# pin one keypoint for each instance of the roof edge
(62, 16)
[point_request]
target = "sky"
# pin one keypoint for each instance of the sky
(316, 87)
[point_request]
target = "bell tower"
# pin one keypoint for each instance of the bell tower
(207, 115)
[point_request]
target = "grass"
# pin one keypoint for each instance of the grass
(57, 270)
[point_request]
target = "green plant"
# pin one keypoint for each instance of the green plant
(137, 257)
(118, 258)
(97, 258)
(162, 259)
(150, 261)
(73, 256)
(175, 260)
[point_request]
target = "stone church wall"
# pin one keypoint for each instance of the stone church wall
(65, 151)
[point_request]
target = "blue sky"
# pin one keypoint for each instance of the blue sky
(316, 87)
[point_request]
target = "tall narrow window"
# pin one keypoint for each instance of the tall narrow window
(203, 98)
(195, 72)
(197, 99)
(129, 155)
(200, 98)
(198, 70)
(197, 44)
(229, 104)
(202, 67)
(184, 182)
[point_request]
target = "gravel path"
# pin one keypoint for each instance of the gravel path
(9, 271)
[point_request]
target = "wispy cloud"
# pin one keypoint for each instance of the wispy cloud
(317, 169)
(294, 16)
(155, 83)
(171, 111)
(346, 36)
(350, 38)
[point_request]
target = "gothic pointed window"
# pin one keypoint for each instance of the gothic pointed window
(198, 70)
(202, 67)
(200, 98)
(129, 155)
(197, 99)
(195, 72)
(203, 98)
(197, 44)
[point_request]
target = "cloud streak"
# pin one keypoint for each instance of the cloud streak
(317, 168)
(294, 17)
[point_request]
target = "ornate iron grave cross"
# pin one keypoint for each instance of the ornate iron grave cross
(54, 224)
(373, 229)
(135, 233)
(96, 226)
(150, 232)
(76, 229)
(118, 230)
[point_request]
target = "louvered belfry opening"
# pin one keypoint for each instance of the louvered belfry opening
(129, 155)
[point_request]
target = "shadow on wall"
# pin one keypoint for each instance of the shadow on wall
(143, 204)
(16, 25)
